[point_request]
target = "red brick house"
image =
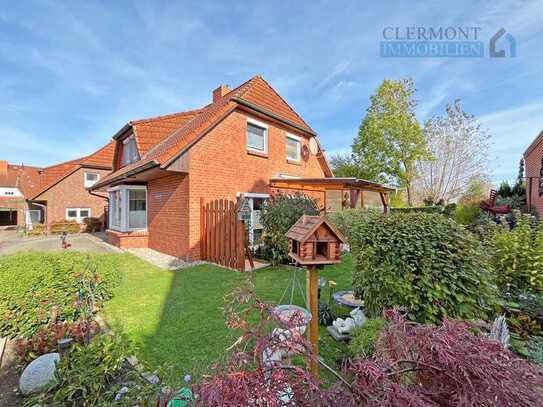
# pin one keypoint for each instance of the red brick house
(237, 145)
(533, 170)
(54, 193)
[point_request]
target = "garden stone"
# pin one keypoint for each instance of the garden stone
(39, 373)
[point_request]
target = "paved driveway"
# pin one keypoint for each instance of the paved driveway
(11, 243)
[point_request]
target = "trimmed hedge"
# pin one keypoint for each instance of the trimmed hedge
(424, 262)
(424, 209)
(33, 283)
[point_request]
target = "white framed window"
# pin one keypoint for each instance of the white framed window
(33, 216)
(91, 178)
(257, 136)
(130, 150)
(128, 208)
(294, 148)
(137, 208)
(77, 214)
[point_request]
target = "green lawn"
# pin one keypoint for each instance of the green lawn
(176, 318)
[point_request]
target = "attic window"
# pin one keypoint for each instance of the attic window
(130, 151)
(91, 178)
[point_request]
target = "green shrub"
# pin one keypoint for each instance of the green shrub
(277, 217)
(344, 220)
(535, 350)
(466, 214)
(424, 262)
(363, 338)
(33, 284)
(514, 201)
(93, 375)
(518, 255)
(425, 209)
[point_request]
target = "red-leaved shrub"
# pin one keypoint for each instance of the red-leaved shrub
(247, 379)
(454, 364)
(47, 337)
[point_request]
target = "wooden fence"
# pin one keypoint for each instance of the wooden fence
(222, 234)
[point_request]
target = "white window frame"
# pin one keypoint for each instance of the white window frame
(134, 154)
(88, 183)
(78, 218)
(263, 126)
(29, 216)
(299, 152)
(125, 205)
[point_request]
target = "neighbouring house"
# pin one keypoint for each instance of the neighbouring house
(31, 195)
(247, 144)
(533, 171)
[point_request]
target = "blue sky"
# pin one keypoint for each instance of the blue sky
(73, 73)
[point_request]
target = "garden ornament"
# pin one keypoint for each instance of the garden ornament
(358, 316)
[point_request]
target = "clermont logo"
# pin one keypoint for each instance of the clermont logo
(501, 53)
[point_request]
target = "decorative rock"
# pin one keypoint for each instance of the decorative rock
(358, 315)
(152, 378)
(133, 360)
(344, 326)
(39, 373)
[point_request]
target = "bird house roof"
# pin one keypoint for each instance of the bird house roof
(305, 228)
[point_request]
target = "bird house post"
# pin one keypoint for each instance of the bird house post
(313, 243)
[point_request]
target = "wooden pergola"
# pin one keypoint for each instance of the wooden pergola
(351, 190)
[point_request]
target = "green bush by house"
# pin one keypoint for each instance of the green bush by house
(518, 255)
(424, 262)
(36, 286)
(425, 209)
(344, 220)
(277, 217)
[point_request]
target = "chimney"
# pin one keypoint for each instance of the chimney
(220, 92)
(3, 167)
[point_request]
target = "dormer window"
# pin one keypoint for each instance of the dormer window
(130, 151)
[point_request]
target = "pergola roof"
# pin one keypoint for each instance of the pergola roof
(330, 183)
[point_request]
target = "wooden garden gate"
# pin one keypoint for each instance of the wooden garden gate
(222, 234)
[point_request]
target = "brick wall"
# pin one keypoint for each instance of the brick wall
(532, 167)
(167, 214)
(128, 240)
(220, 166)
(71, 193)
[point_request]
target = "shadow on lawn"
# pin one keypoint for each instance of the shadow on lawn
(191, 334)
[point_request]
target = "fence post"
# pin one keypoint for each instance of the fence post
(202, 228)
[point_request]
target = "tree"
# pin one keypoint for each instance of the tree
(344, 165)
(390, 139)
(459, 149)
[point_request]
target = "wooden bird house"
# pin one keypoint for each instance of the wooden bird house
(313, 240)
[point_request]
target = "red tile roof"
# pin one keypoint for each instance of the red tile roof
(162, 139)
(50, 176)
(150, 132)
